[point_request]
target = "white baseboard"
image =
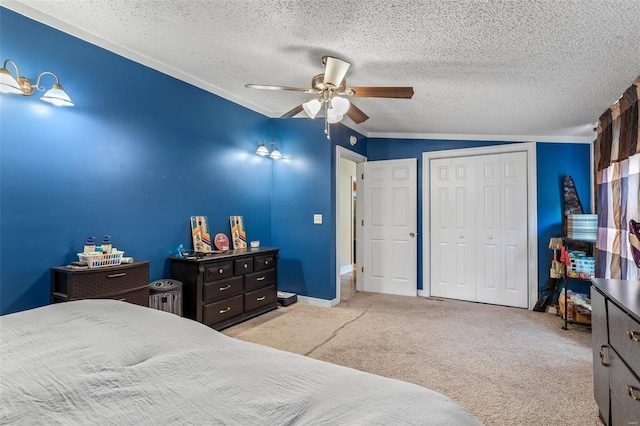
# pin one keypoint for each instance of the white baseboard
(323, 303)
(345, 269)
(422, 293)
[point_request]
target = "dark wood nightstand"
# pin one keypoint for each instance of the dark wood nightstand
(127, 282)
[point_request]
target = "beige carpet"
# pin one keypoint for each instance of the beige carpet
(507, 366)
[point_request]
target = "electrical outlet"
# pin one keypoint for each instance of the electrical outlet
(317, 219)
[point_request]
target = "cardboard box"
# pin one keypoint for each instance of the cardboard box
(579, 315)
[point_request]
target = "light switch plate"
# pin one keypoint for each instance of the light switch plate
(317, 219)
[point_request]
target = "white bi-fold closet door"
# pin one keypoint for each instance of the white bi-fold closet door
(478, 224)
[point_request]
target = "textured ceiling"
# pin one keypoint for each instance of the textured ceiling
(521, 69)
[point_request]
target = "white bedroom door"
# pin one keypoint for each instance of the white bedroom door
(390, 226)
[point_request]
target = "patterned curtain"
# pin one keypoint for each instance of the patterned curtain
(617, 168)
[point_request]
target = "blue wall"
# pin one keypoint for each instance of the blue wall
(136, 157)
(304, 185)
(554, 161)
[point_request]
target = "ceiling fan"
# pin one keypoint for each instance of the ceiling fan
(330, 89)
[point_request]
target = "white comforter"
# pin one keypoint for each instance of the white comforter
(108, 362)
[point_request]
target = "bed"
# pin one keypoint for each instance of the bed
(111, 362)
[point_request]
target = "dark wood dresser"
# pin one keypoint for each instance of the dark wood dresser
(223, 289)
(615, 324)
(127, 282)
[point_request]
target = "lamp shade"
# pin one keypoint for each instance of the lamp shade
(340, 105)
(262, 149)
(8, 84)
(332, 116)
(57, 96)
(275, 154)
(312, 107)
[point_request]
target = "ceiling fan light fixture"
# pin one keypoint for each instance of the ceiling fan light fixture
(312, 107)
(333, 117)
(340, 105)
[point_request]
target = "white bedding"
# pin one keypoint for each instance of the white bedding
(109, 362)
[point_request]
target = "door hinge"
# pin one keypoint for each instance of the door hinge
(362, 269)
(362, 176)
(362, 222)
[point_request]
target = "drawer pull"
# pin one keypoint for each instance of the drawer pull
(220, 271)
(266, 262)
(603, 354)
(260, 299)
(246, 266)
(222, 311)
(226, 287)
(260, 279)
(634, 335)
(632, 392)
(122, 274)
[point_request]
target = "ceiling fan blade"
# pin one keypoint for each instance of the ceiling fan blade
(383, 92)
(270, 87)
(293, 112)
(356, 114)
(335, 70)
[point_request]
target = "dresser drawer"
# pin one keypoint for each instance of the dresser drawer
(137, 296)
(624, 336)
(264, 262)
(215, 290)
(218, 271)
(259, 298)
(259, 279)
(107, 281)
(243, 266)
(624, 408)
(219, 311)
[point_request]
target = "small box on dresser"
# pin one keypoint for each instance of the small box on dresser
(223, 289)
(127, 282)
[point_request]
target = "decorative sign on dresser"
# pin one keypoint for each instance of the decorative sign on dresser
(615, 325)
(223, 289)
(128, 282)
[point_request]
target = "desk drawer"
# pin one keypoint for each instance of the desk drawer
(264, 262)
(137, 296)
(259, 279)
(215, 290)
(243, 266)
(93, 284)
(259, 298)
(219, 311)
(624, 335)
(625, 388)
(218, 271)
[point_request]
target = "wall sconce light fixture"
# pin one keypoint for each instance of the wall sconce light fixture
(264, 151)
(22, 86)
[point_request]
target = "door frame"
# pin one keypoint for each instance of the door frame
(342, 152)
(532, 209)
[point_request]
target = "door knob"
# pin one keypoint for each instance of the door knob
(412, 235)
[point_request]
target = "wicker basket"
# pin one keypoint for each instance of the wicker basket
(100, 260)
